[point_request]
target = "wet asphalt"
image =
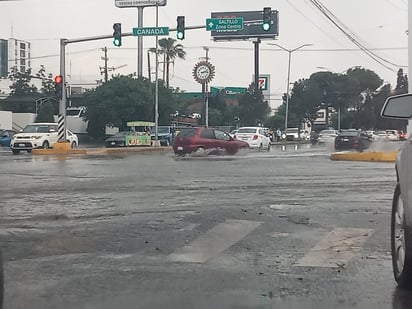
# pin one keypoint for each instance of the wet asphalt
(156, 231)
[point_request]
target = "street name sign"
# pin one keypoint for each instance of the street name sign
(151, 31)
(224, 24)
(138, 3)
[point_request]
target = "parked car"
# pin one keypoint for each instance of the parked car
(400, 107)
(6, 136)
(379, 136)
(327, 136)
(206, 141)
(165, 135)
(392, 135)
(291, 134)
(353, 140)
(117, 140)
(39, 135)
(256, 137)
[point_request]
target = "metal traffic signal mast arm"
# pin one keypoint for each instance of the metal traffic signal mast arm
(64, 42)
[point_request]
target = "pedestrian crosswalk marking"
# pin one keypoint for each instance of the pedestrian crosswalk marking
(214, 241)
(336, 248)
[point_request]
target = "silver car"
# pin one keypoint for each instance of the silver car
(400, 107)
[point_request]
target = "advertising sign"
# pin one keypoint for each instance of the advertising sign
(252, 26)
(138, 3)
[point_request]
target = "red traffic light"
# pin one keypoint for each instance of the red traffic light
(58, 79)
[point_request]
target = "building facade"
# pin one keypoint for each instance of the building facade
(4, 52)
(19, 55)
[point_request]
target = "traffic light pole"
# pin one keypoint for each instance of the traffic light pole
(61, 126)
(63, 44)
(140, 42)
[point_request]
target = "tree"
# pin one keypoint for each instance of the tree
(124, 99)
(46, 112)
(170, 51)
(253, 110)
(401, 83)
(21, 83)
(47, 82)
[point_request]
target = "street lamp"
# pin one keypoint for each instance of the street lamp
(290, 51)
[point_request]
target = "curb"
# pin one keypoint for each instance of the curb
(64, 150)
(373, 156)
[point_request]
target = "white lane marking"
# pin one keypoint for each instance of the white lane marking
(336, 248)
(214, 241)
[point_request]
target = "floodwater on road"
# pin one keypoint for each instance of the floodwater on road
(288, 228)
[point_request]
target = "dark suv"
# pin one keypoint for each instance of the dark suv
(206, 140)
(352, 140)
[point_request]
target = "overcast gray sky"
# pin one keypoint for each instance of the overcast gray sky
(380, 25)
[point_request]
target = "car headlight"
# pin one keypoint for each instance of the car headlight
(36, 137)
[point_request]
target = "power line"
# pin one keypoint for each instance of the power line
(57, 55)
(352, 36)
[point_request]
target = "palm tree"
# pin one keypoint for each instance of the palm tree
(170, 51)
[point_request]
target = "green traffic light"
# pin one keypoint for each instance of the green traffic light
(116, 42)
(180, 35)
(266, 26)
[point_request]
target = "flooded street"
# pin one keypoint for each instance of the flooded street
(288, 228)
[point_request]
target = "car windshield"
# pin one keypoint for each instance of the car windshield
(162, 130)
(122, 134)
(326, 132)
(246, 130)
(292, 130)
(349, 133)
(36, 128)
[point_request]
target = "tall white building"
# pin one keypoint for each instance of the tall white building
(19, 55)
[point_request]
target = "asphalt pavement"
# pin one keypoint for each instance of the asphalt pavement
(288, 228)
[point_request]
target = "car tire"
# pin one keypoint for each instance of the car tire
(200, 151)
(268, 149)
(15, 151)
(401, 242)
(260, 147)
(74, 145)
(45, 145)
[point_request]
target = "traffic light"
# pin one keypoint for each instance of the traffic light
(117, 34)
(267, 19)
(180, 27)
(58, 86)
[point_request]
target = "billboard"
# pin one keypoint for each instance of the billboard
(138, 3)
(252, 26)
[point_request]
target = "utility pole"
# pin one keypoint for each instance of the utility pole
(257, 42)
(105, 59)
(206, 91)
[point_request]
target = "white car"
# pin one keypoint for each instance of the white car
(39, 135)
(400, 107)
(256, 137)
(327, 136)
(291, 134)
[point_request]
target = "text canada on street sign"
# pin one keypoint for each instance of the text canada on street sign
(151, 31)
(138, 3)
(224, 24)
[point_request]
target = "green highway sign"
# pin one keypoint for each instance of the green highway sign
(151, 31)
(224, 24)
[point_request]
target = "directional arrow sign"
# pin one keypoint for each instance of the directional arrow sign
(151, 31)
(224, 24)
